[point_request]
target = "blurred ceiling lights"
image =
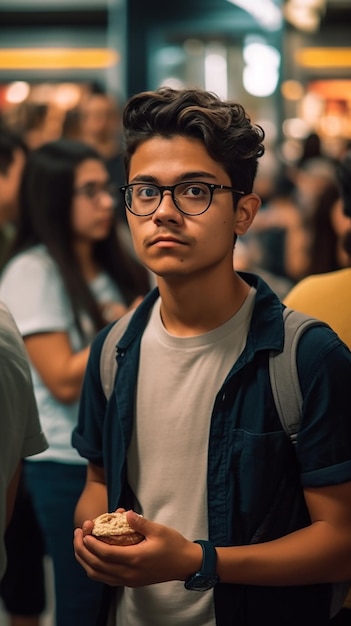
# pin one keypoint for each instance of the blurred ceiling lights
(266, 12)
(304, 15)
(261, 71)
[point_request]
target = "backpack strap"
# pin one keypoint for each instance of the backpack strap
(283, 371)
(135, 319)
(288, 400)
(108, 363)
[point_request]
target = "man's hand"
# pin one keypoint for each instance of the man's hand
(163, 555)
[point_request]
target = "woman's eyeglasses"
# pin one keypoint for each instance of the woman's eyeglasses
(93, 191)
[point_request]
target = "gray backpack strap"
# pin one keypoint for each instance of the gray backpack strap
(288, 400)
(108, 363)
(283, 372)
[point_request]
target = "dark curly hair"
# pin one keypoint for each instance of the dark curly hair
(223, 126)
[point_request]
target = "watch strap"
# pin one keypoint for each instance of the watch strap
(209, 557)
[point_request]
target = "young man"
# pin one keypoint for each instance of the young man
(190, 438)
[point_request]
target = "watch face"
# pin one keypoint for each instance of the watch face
(198, 582)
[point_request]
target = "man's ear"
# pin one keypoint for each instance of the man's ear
(246, 210)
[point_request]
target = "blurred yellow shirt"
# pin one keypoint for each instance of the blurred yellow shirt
(327, 297)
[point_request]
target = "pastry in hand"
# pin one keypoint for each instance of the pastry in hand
(114, 529)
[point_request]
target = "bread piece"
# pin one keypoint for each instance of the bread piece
(114, 529)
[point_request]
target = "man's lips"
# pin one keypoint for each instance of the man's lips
(165, 240)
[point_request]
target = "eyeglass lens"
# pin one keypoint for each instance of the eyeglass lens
(191, 198)
(93, 190)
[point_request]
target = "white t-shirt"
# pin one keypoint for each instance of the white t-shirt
(32, 288)
(179, 379)
(20, 430)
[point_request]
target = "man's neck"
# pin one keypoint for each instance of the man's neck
(188, 309)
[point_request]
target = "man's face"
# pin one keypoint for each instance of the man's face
(168, 242)
(9, 187)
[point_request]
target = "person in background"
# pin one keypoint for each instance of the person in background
(277, 241)
(327, 297)
(22, 588)
(67, 277)
(326, 226)
(190, 437)
(100, 115)
(311, 148)
(100, 127)
(13, 154)
(21, 435)
(310, 180)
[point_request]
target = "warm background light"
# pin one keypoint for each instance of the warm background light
(17, 92)
(292, 90)
(323, 57)
(56, 58)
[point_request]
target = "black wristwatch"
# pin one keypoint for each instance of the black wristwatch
(206, 578)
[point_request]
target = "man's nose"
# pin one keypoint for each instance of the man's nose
(167, 209)
(167, 200)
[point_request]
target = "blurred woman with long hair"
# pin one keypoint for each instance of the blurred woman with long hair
(68, 276)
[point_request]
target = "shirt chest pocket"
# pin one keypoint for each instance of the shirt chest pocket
(264, 483)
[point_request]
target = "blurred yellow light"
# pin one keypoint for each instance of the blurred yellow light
(323, 57)
(292, 90)
(56, 58)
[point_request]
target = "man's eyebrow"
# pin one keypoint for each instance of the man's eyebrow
(191, 176)
(143, 178)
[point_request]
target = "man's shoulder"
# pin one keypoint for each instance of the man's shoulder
(321, 352)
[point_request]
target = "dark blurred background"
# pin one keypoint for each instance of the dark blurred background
(68, 66)
(287, 61)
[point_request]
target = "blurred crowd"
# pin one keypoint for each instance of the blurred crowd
(301, 229)
(67, 270)
(301, 226)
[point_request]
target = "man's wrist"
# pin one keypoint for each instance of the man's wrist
(206, 577)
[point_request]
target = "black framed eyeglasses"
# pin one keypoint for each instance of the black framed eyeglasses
(93, 191)
(190, 198)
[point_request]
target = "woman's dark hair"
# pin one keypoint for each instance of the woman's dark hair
(311, 149)
(323, 250)
(45, 217)
(343, 174)
(10, 141)
(224, 128)
(346, 243)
